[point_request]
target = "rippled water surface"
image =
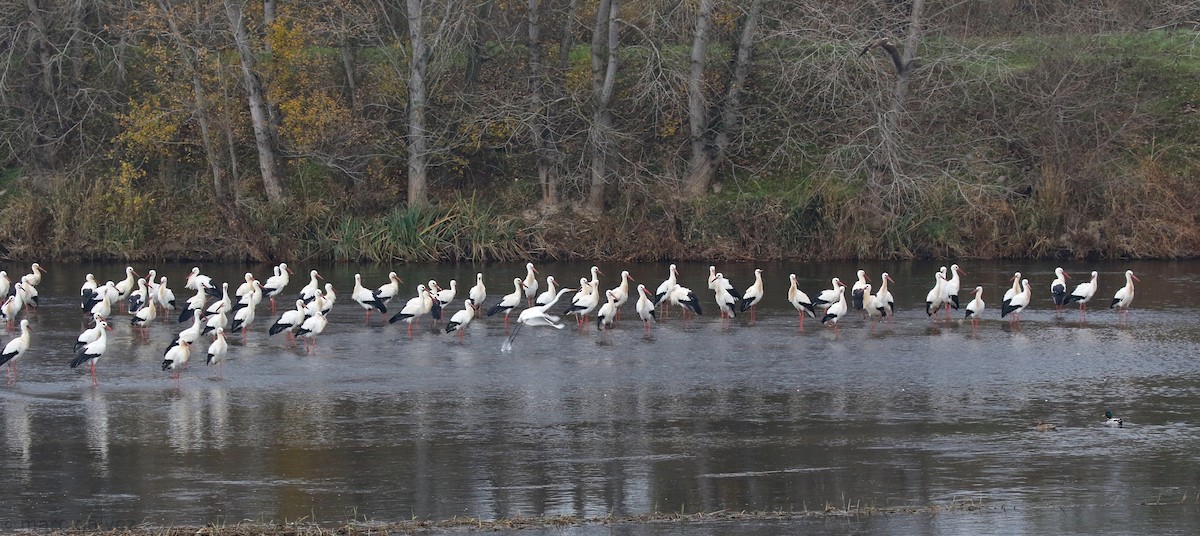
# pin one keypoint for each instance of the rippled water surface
(698, 415)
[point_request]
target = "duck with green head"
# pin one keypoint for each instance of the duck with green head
(1109, 420)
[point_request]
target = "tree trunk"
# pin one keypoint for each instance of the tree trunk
(190, 63)
(418, 142)
(743, 57)
(475, 46)
(543, 142)
(700, 168)
(604, 74)
(887, 157)
(348, 63)
(711, 132)
(268, 20)
(265, 137)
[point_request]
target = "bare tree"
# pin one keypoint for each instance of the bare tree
(604, 75)
(191, 64)
(710, 131)
(887, 156)
(418, 136)
(547, 174)
(265, 135)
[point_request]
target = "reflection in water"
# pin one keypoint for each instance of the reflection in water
(18, 437)
(698, 416)
(96, 425)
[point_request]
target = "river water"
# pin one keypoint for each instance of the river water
(698, 415)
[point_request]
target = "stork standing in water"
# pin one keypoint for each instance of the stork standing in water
(664, 289)
(509, 302)
(177, 358)
(836, 310)
(14, 349)
(530, 283)
(312, 327)
(937, 295)
(1058, 288)
(829, 296)
(950, 288)
(275, 283)
(583, 303)
(459, 321)
(1083, 293)
(478, 293)
(549, 293)
(413, 309)
(858, 291)
(726, 303)
(387, 291)
(975, 308)
(885, 296)
(1010, 293)
(753, 295)
(1124, 296)
(217, 350)
(1018, 303)
(800, 300)
(367, 299)
(645, 308)
(93, 351)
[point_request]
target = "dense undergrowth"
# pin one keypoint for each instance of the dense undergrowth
(1104, 163)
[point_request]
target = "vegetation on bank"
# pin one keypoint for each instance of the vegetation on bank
(1024, 135)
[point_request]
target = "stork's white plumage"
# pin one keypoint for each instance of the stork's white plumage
(975, 307)
(176, 358)
(726, 303)
(584, 302)
(884, 296)
(800, 300)
(937, 295)
(388, 290)
(413, 309)
(530, 283)
(446, 295)
(837, 309)
(1124, 296)
(858, 290)
(753, 295)
(14, 349)
(829, 296)
(1083, 292)
(478, 293)
(665, 288)
(309, 292)
(951, 287)
(274, 285)
(92, 351)
(217, 350)
(312, 326)
(604, 317)
(1018, 302)
(510, 301)
(289, 321)
(645, 307)
(35, 274)
(621, 291)
(367, 299)
(1011, 292)
(1058, 288)
(549, 294)
(459, 321)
